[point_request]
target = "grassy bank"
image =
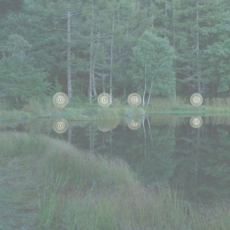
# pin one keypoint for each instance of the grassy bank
(86, 112)
(49, 184)
(83, 112)
(183, 106)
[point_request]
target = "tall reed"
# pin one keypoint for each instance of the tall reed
(217, 102)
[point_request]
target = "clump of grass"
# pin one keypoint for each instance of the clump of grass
(134, 111)
(92, 113)
(67, 189)
(32, 109)
(15, 114)
(3, 108)
(162, 103)
(19, 144)
(117, 103)
(107, 114)
(217, 104)
(37, 108)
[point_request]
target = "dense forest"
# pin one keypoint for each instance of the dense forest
(163, 48)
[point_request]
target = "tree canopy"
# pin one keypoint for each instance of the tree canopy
(157, 48)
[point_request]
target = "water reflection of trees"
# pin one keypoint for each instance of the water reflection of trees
(203, 162)
(196, 160)
(162, 150)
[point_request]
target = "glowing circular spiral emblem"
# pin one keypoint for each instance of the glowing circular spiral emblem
(104, 100)
(103, 129)
(134, 99)
(196, 122)
(60, 100)
(60, 125)
(134, 125)
(107, 126)
(196, 99)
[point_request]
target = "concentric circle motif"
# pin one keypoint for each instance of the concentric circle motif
(133, 124)
(107, 126)
(60, 125)
(103, 129)
(134, 99)
(60, 100)
(104, 100)
(196, 99)
(196, 122)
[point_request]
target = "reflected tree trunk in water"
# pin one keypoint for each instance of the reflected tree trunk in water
(103, 141)
(70, 134)
(91, 139)
(174, 122)
(150, 94)
(110, 142)
(143, 125)
(197, 154)
(150, 130)
(143, 97)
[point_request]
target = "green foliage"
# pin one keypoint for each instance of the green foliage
(16, 45)
(217, 55)
(152, 64)
(38, 31)
(20, 81)
(10, 5)
(55, 88)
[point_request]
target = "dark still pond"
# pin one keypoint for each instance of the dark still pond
(190, 153)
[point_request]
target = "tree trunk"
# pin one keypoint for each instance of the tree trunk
(91, 58)
(69, 84)
(198, 50)
(111, 63)
(173, 21)
(166, 13)
(93, 80)
(174, 94)
(143, 125)
(149, 94)
(103, 82)
(124, 91)
(143, 97)
(94, 62)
